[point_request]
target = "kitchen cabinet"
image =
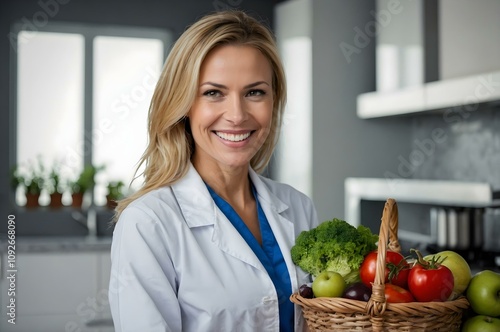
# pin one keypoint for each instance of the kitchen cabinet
(464, 92)
(59, 291)
(449, 70)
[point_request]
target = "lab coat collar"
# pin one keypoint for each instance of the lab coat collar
(265, 195)
(199, 209)
(194, 199)
(198, 206)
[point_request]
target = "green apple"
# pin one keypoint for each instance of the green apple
(481, 323)
(459, 268)
(328, 284)
(483, 293)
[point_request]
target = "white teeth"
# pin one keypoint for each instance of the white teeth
(233, 137)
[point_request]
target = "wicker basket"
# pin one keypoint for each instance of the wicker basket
(339, 314)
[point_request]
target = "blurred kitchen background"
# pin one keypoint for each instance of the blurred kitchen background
(387, 98)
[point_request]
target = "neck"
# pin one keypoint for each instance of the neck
(233, 185)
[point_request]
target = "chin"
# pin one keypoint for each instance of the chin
(237, 163)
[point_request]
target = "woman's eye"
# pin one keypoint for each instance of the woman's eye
(253, 93)
(212, 93)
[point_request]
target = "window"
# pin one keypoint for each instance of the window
(81, 96)
(121, 101)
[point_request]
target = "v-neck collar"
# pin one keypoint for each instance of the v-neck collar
(237, 222)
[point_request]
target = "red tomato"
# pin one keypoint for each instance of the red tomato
(396, 272)
(396, 294)
(430, 283)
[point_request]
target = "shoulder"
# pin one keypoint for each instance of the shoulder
(153, 207)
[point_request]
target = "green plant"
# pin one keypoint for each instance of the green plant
(16, 178)
(115, 190)
(31, 177)
(85, 180)
(334, 245)
(55, 184)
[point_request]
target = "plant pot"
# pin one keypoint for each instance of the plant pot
(56, 200)
(77, 200)
(32, 200)
(111, 203)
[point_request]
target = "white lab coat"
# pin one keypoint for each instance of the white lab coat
(178, 264)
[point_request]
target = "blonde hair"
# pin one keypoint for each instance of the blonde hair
(170, 147)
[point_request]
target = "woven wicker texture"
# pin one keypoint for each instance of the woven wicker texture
(339, 314)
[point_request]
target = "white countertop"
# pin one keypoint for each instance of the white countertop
(57, 243)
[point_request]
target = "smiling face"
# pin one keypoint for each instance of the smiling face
(231, 115)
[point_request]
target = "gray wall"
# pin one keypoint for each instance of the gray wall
(468, 151)
(344, 145)
(174, 15)
(477, 48)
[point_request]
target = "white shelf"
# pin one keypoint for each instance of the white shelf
(464, 92)
(435, 192)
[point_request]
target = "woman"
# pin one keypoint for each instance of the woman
(205, 244)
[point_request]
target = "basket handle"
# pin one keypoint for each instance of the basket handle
(388, 239)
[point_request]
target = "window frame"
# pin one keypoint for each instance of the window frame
(89, 32)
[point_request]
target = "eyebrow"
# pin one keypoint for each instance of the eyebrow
(222, 86)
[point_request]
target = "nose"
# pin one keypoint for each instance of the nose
(236, 112)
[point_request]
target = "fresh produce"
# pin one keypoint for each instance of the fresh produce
(396, 271)
(483, 293)
(481, 323)
(334, 245)
(328, 284)
(357, 291)
(396, 294)
(458, 266)
(429, 280)
(306, 291)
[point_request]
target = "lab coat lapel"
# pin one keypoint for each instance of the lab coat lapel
(199, 209)
(284, 232)
(273, 207)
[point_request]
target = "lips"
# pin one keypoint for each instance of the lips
(231, 137)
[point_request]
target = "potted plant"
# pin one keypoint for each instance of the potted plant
(32, 182)
(115, 193)
(84, 182)
(55, 187)
(17, 180)
(34, 188)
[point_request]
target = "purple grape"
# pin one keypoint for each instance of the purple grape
(358, 291)
(306, 291)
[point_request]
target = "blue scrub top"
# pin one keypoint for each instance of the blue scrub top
(269, 255)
